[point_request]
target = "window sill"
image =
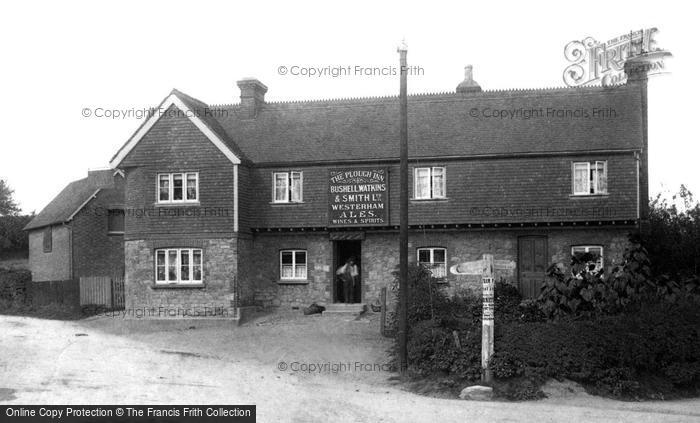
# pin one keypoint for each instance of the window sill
(293, 282)
(178, 286)
(589, 195)
(420, 200)
(177, 204)
(115, 233)
(288, 203)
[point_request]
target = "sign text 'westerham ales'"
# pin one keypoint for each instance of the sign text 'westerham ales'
(358, 197)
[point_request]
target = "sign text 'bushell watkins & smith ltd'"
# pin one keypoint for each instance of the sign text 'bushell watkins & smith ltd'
(358, 197)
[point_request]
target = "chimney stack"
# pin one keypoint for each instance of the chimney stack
(468, 85)
(252, 96)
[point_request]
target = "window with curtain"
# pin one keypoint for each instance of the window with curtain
(435, 259)
(293, 264)
(178, 187)
(288, 187)
(590, 178)
(429, 183)
(178, 266)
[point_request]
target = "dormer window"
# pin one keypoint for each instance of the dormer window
(178, 187)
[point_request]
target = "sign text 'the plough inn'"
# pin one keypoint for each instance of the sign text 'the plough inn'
(358, 197)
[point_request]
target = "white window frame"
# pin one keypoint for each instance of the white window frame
(591, 182)
(178, 280)
(431, 171)
(600, 263)
(171, 188)
(294, 265)
(432, 258)
(288, 178)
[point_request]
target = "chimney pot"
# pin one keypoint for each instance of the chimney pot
(252, 96)
(468, 85)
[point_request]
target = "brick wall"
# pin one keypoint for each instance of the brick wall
(219, 262)
(95, 252)
(55, 265)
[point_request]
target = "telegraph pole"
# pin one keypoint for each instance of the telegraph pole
(403, 217)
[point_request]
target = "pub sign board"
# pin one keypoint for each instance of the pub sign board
(358, 197)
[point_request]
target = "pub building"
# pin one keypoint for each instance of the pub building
(530, 176)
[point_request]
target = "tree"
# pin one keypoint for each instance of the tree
(8, 207)
(673, 241)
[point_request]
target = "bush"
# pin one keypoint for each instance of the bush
(427, 301)
(673, 239)
(530, 311)
(585, 293)
(613, 355)
(13, 284)
(433, 320)
(506, 302)
(12, 237)
(444, 332)
(433, 348)
(519, 389)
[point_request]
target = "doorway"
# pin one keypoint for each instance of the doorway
(532, 264)
(343, 251)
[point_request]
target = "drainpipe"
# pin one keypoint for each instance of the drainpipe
(70, 249)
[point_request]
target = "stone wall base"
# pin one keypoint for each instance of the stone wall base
(379, 259)
(215, 299)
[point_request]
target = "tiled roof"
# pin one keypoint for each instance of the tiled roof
(60, 209)
(206, 114)
(440, 125)
(447, 124)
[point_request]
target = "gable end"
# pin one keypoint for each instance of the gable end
(173, 100)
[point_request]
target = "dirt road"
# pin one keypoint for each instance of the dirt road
(106, 361)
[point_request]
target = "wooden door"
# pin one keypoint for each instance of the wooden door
(532, 264)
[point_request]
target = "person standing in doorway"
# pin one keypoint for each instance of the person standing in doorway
(348, 275)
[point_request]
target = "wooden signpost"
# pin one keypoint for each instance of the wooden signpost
(487, 316)
(485, 268)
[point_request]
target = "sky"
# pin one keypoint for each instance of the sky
(61, 58)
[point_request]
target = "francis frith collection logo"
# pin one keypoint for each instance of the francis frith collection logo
(595, 62)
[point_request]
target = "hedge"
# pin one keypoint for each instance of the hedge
(649, 353)
(13, 284)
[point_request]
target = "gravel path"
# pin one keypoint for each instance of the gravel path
(105, 360)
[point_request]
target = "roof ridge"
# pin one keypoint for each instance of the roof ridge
(553, 88)
(429, 94)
